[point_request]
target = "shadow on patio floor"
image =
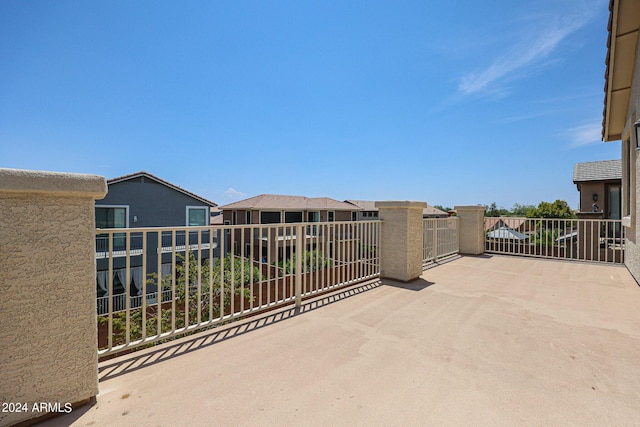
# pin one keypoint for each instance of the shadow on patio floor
(148, 357)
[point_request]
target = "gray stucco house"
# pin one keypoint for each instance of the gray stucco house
(141, 200)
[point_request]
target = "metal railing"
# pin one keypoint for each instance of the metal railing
(250, 269)
(120, 239)
(594, 240)
(440, 238)
(119, 302)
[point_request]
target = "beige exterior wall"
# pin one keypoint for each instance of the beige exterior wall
(631, 173)
(588, 189)
(48, 326)
(401, 239)
(471, 230)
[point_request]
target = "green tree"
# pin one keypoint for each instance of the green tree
(493, 211)
(311, 261)
(521, 210)
(557, 209)
(187, 303)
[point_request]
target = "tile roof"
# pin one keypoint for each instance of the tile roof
(369, 205)
(430, 210)
(160, 181)
(277, 201)
(603, 170)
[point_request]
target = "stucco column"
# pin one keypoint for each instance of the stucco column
(48, 329)
(401, 239)
(471, 223)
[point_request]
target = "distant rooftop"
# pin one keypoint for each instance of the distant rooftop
(278, 201)
(369, 205)
(603, 170)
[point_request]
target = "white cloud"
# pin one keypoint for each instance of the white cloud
(233, 194)
(536, 43)
(585, 134)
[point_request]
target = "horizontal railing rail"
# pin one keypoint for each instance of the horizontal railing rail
(119, 301)
(594, 240)
(225, 272)
(440, 238)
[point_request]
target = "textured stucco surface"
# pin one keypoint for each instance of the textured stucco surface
(471, 229)
(632, 248)
(21, 182)
(401, 239)
(47, 298)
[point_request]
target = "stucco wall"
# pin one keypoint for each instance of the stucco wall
(471, 229)
(47, 290)
(401, 239)
(632, 248)
(601, 188)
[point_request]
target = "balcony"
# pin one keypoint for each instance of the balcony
(396, 327)
(500, 340)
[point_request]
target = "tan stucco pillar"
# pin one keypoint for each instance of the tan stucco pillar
(471, 229)
(48, 329)
(401, 239)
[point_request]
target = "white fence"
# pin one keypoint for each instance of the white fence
(595, 240)
(440, 238)
(224, 272)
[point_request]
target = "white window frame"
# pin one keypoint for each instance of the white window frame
(126, 214)
(207, 214)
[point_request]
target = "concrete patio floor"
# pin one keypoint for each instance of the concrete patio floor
(490, 340)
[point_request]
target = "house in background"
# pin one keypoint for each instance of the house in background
(369, 210)
(280, 209)
(599, 184)
(621, 115)
(276, 209)
(431, 212)
(144, 200)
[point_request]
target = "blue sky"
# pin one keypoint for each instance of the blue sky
(461, 102)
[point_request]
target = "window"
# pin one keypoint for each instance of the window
(313, 216)
(331, 216)
(248, 217)
(354, 216)
(290, 217)
(269, 217)
(112, 217)
(196, 216)
(227, 231)
(234, 217)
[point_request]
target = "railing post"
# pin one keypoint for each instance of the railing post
(401, 239)
(435, 239)
(48, 319)
(300, 247)
(471, 229)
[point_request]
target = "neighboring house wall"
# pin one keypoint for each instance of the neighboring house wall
(148, 203)
(151, 204)
(601, 188)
